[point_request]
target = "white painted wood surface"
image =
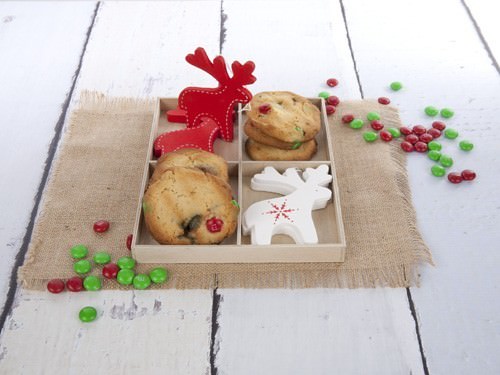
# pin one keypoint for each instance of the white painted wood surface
(137, 49)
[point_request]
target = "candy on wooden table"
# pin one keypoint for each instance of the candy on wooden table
(110, 270)
(371, 116)
(412, 138)
(446, 161)
(426, 137)
(141, 281)
(385, 136)
(92, 283)
(333, 100)
(125, 277)
(435, 133)
(55, 286)
(101, 226)
(158, 275)
(466, 145)
(455, 177)
(82, 266)
(447, 113)
(324, 95)
(376, 125)
(357, 123)
(383, 100)
(128, 242)
(87, 314)
(395, 132)
(102, 257)
(405, 130)
(332, 82)
(79, 251)
(75, 284)
(126, 263)
(419, 129)
(420, 146)
(468, 175)
(438, 170)
(407, 146)
(450, 133)
(346, 119)
(434, 155)
(330, 109)
(431, 111)
(433, 145)
(439, 125)
(396, 86)
(370, 136)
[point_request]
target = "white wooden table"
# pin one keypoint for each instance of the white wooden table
(446, 53)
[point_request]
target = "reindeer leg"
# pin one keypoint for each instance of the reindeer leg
(261, 234)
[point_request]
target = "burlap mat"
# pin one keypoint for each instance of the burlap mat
(98, 172)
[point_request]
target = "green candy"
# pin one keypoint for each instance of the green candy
(431, 111)
(371, 116)
(356, 123)
(395, 132)
(126, 263)
(434, 145)
(125, 277)
(447, 113)
(396, 86)
(79, 251)
(82, 266)
(450, 133)
(102, 258)
(434, 155)
(235, 203)
(370, 136)
(92, 283)
(446, 161)
(158, 275)
(88, 314)
(466, 145)
(324, 95)
(296, 145)
(438, 171)
(141, 281)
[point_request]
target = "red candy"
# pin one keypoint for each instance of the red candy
(435, 133)
(455, 178)
(407, 146)
(405, 130)
(346, 119)
(129, 241)
(265, 108)
(333, 100)
(384, 100)
(330, 109)
(385, 136)
(55, 286)
(110, 270)
(419, 129)
(101, 226)
(214, 225)
(75, 284)
(439, 125)
(376, 125)
(426, 137)
(332, 82)
(412, 138)
(468, 175)
(420, 146)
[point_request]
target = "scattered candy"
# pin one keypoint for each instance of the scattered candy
(455, 178)
(412, 138)
(431, 111)
(129, 241)
(102, 258)
(466, 145)
(447, 113)
(433, 145)
(55, 286)
(419, 129)
(110, 270)
(265, 108)
(439, 125)
(330, 109)
(158, 275)
(371, 116)
(450, 133)
(386, 135)
(125, 277)
(395, 132)
(407, 146)
(376, 125)
(126, 263)
(420, 146)
(332, 82)
(101, 226)
(88, 314)
(82, 266)
(324, 95)
(434, 155)
(405, 130)
(356, 123)
(346, 119)
(79, 251)
(438, 171)
(426, 138)
(435, 133)
(141, 281)
(333, 100)
(383, 100)
(370, 136)
(75, 284)
(92, 283)
(396, 86)
(468, 175)
(446, 161)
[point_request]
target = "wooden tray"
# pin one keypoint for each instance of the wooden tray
(237, 248)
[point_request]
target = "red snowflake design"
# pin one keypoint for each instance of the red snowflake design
(280, 211)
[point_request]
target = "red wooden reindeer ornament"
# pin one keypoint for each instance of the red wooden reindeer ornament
(216, 104)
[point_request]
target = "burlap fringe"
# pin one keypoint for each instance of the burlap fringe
(94, 101)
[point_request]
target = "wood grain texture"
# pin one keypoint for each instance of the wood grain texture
(35, 81)
(457, 312)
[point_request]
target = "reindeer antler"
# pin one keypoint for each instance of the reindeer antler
(273, 181)
(242, 74)
(217, 69)
(318, 176)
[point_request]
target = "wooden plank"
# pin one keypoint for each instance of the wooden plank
(135, 49)
(41, 44)
(457, 315)
(313, 330)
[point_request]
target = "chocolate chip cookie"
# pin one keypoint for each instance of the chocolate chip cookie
(259, 151)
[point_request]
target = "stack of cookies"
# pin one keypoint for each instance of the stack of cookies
(281, 125)
(189, 199)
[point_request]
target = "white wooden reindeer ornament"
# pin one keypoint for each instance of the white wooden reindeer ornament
(292, 213)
